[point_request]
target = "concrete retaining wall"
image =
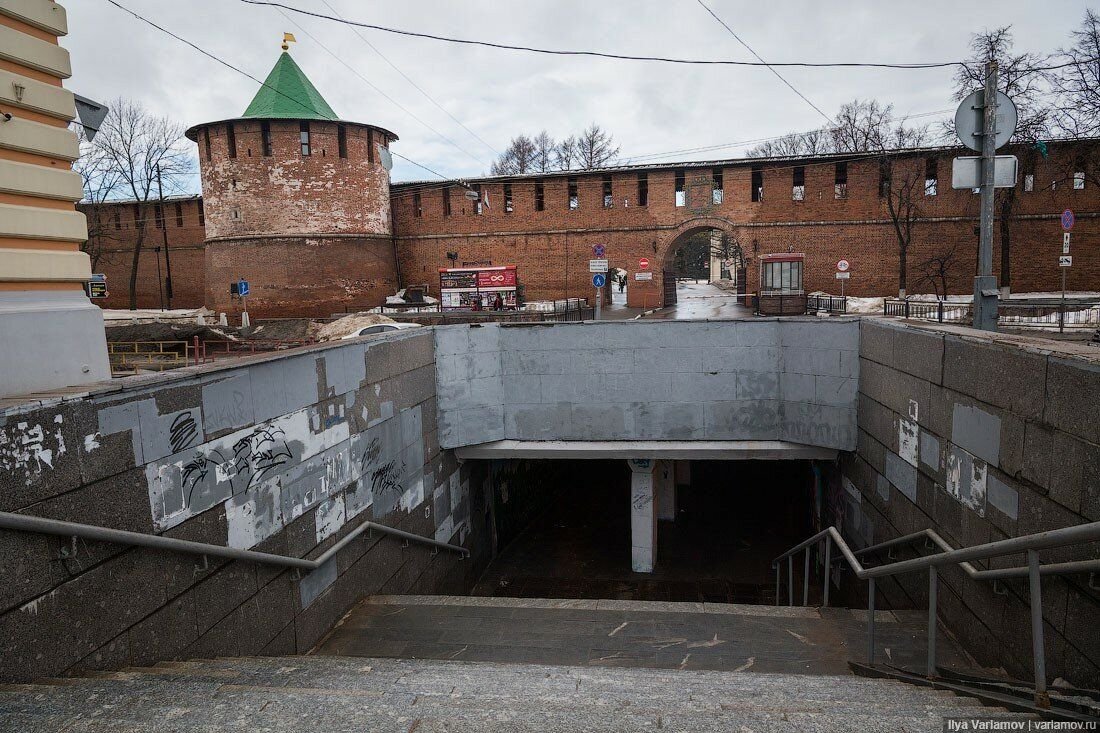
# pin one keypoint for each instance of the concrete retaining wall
(792, 379)
(282, 454)
(981, 437)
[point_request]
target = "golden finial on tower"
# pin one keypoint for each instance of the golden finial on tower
(288, 38)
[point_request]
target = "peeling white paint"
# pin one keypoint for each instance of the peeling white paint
(330, 517)
(908, 441)
(91, 442)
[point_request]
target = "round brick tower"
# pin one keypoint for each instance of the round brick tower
(296, 202)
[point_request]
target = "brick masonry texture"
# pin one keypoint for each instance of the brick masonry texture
(282, 455)
(981, 437)
(303, 202)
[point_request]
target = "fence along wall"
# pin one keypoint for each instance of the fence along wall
(764, 379)
(981, 437)
(282, 455)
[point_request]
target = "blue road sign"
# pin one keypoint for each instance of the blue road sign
(242, 288)
(599, 279)
(1067, 219)
(599, 250)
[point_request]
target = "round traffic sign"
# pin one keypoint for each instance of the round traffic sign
(1068, 219)
(644, 263)
(970, 120)
(599, 279)
(599, 250)
(843, 266)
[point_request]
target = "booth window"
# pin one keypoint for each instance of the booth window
(782, 277)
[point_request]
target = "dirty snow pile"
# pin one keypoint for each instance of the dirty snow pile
(349, 324)
(118, 316)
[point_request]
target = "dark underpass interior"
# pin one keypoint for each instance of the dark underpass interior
(563, 531)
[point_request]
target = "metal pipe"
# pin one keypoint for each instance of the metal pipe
(23, 523)
(871, 621)
(932, 573)
(828, 569)
(790, 580)
(777, 584)
(1038, 649)
(806, 579)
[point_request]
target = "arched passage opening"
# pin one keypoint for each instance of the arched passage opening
(706, 249)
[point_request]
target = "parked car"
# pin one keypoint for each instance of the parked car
(380, 328)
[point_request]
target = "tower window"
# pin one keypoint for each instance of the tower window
(757, 185)
(265, 138)
(179, 214)
(643, 189)
(304, 137)
(206, 141)
(447, 201)
(717, 194)
(608, 198)
(370, 146)
(540, 196)
(681, 194)
(840, 181)
(231, 140)
(798, 184)
(342, 140)
(418, 208)
(931, 177)
(202, 215)
(574, 198)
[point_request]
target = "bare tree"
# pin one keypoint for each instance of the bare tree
(100, 182)
(1078, 84)
(939, 269)
(134, 143)
(903, 189)
(518, 157)
(543, 159)
(595, 148)
(566, 154)
(814, 142)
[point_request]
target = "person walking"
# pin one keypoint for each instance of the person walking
(622, 283)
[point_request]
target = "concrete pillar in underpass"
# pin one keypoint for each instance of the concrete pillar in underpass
(643, 518)
(664, 480)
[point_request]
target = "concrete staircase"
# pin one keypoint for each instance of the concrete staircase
(337, 694)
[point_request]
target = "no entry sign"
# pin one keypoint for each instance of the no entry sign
(643, 263)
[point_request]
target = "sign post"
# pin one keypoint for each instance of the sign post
(1064, 263)
(599, 280)
(842, 274)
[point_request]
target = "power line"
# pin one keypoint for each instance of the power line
(598, 54)
(368, 82)
(240, 71)
(413, 83)
(760, 59)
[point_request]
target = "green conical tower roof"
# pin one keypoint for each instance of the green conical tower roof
(288, 94)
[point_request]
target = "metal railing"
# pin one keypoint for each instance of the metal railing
(1033, 313)
(828, 303)
(40, 525)
(1033, 571)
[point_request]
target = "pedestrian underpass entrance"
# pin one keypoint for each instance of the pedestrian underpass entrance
(578, 528)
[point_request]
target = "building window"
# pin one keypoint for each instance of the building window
(643, 189)
(202, 215)
(342, 140)
(540, 196)
(158, 214)
(477, 202)
(884, 178)
(265, 139)
(840, 181)
(447, 201)
(179, 214)
(304, 137)
(235, 214)
(508, 208)
(681, 194)
(1029, 182)
(931, 177)
(717, 194)
(757, 186)
(798, 184)
(574, 199)
(608, 198)
(206, 141)
(231, 140)
(418, 209)
(1079, 175)
(118, 219)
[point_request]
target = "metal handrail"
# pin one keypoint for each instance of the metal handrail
(1030, 544)
(41, 525)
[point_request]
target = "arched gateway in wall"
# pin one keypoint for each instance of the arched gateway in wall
(675, 239)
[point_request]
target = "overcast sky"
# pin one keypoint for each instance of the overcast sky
(649, 107)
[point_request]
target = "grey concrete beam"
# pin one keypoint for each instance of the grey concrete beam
(720, 450)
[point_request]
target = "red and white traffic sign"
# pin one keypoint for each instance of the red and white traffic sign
(644, 263)
(842, 266)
